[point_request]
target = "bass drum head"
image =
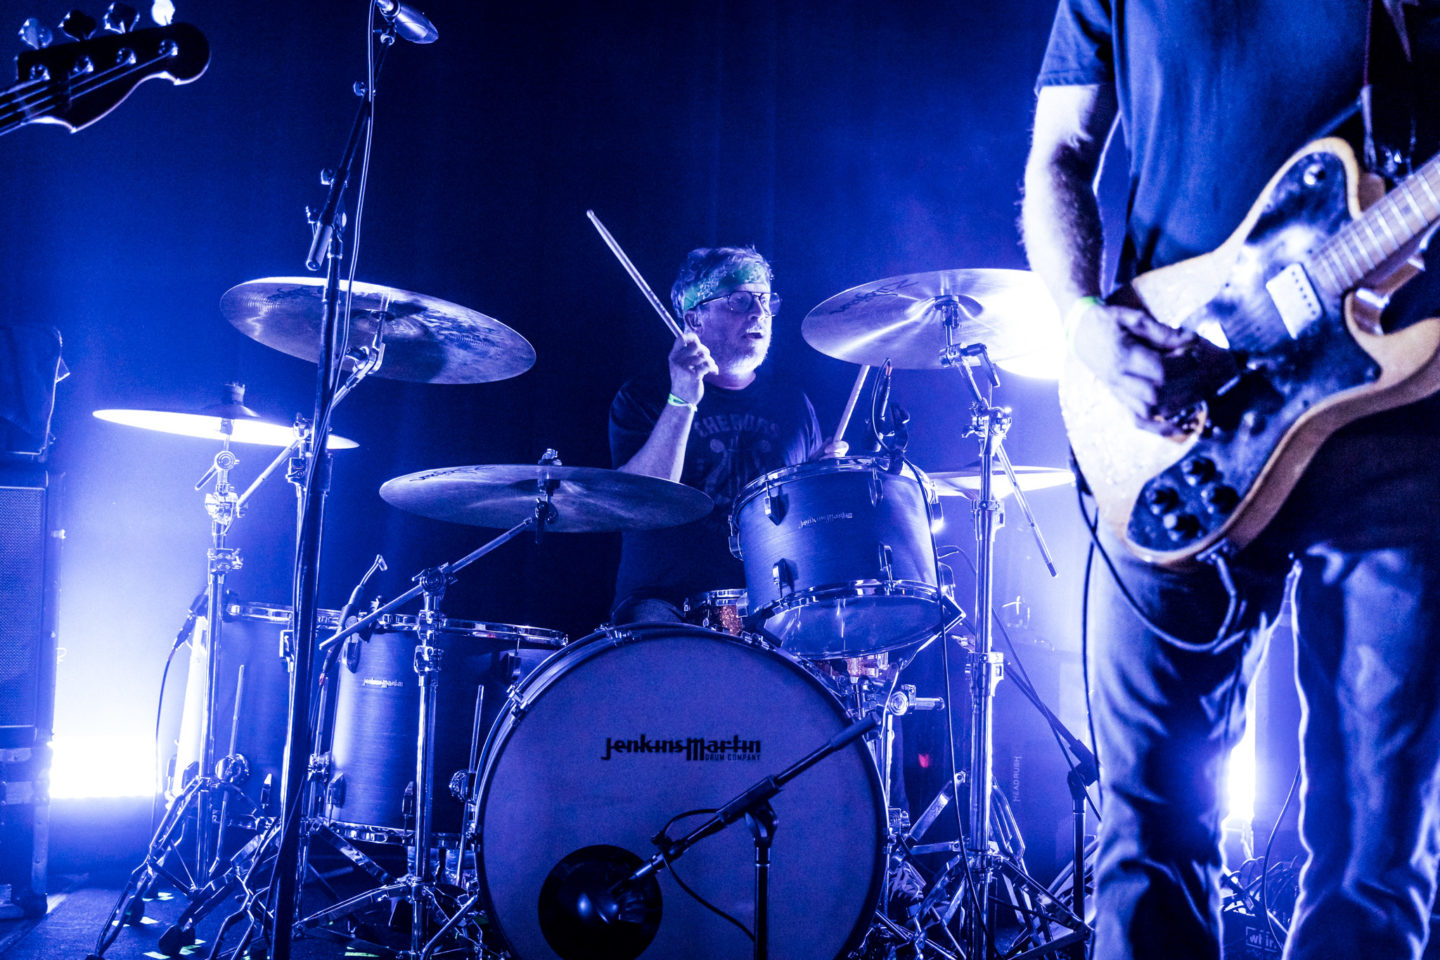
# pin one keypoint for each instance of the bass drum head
(625, 730)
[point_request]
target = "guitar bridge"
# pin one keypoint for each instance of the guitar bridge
(1295, 299)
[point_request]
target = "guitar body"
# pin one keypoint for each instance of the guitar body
(1172, 499)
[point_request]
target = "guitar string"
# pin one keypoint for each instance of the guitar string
(24, 105)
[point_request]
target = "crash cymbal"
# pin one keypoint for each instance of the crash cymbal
(586, 499)
(902, 319)
(209, 426)
(426, 340)
(965, 482)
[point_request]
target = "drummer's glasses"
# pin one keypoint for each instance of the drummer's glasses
(743, 301)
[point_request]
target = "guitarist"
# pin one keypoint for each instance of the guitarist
(1211, 97)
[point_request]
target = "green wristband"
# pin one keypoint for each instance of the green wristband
(1076, 311)
(675, 401)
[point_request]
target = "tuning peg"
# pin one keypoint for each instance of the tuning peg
(121, 18)
(78, 25)
(35, 34)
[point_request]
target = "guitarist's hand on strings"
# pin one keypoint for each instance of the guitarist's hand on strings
(1157, 371)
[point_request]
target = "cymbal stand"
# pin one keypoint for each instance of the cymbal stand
(222, 506)
(417, 887)
(990, 424)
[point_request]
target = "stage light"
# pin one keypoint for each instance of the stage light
(1240, 778)
(162, 12)
(86, 766)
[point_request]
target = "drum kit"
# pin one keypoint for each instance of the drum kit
(497, 791)
(521, 773)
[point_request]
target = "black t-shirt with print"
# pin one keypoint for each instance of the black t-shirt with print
(736, 436)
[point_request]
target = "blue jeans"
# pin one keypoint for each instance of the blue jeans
(1367, 631)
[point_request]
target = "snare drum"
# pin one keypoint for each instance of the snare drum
(371, 794)
(611, 739)
(722, 610)
(839, 561)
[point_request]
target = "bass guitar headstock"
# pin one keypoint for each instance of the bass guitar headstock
(78, 82)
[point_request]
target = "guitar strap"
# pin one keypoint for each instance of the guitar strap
(1387, 94)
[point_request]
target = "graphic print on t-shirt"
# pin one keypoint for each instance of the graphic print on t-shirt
(733, 449)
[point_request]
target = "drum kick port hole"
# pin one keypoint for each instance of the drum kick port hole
(590, 910)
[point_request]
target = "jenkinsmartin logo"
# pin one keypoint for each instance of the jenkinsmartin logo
(690, 748)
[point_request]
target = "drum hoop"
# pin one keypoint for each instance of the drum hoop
(378, 833)
(711, 598)
(607, 638)
(399, 622)
(852, 588)
(818, 468)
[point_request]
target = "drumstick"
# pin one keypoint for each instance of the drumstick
(850, 405)
(610, 242)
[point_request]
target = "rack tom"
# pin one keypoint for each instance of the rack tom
(839, 559)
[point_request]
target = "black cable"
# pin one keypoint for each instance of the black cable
(1271, 922)
(663, 841)
(1224, 637)
(1085, 672)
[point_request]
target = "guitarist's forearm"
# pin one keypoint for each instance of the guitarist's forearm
(1060, 217)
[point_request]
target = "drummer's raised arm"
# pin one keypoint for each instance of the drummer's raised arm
(663, 453)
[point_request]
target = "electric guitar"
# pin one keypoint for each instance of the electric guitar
(1295, 293)
(75, 84)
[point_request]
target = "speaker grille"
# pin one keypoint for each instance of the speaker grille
(22, 596)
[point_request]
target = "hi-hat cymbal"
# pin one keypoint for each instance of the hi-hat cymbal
(965, 482)
(902, 319)
(586, 499)
(427, 340)
(236, 423)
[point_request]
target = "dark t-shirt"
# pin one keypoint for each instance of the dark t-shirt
(736, 436)
(1214, 96)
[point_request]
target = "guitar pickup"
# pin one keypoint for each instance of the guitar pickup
(1295, 299)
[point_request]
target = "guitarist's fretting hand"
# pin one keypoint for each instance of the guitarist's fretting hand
(1158, 372)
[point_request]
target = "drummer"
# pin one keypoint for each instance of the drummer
(720, 420)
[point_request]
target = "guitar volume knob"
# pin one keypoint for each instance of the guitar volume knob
(1198, 470)
(1220, 499)
(1161, 499)
(1181, 526)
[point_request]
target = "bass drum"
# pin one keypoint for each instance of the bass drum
(612, 739)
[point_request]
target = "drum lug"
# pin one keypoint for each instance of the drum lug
(735, 549)
(775, 506)
(886, 559)
(352, 654)
(877, 488)
(783, 574)
(335, 792)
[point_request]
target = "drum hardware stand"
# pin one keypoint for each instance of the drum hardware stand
(990, 424)
(418, 887)
(592, 905)
(223, 507)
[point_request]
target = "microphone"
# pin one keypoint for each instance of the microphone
(593, 906)
(408, 22)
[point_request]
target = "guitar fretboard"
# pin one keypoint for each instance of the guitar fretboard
(1357, 249)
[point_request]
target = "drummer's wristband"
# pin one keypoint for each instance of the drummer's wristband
(1076, 311)
(675, 401)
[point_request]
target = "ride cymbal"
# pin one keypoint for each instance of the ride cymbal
(903, 319)
(427, 340)
(586, 499)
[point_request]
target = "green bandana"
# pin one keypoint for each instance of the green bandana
(708, 287)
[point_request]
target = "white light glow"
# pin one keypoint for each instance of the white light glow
(1240, 779)
(102, 766)
(162, 12)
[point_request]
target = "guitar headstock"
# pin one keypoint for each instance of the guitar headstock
(77, 83)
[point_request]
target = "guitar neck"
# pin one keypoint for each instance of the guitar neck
(1395, 221)
(17, 105)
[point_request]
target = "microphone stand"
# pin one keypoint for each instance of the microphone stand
(327, 241)
(754, 805)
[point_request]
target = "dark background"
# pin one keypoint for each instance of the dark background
(848, 141)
